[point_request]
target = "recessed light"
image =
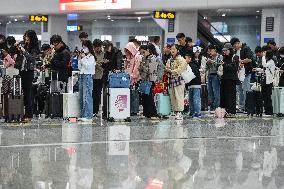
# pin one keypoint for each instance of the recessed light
(16, 20)
(112, 20)
(258, 11)
(24, 21)
(0, 23)
(95, 20)
(223, 14)
(205, 18)
(108, 18)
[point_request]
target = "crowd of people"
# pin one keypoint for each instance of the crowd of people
(226, 75)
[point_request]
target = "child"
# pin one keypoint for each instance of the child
(8, 60)
(194, 87)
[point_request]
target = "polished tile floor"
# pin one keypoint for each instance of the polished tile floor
(241, 153)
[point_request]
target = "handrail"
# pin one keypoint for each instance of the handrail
(219, 33)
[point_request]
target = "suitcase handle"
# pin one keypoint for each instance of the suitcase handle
(51, 79)
(14, 85)
(72, 80)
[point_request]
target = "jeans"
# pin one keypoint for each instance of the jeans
(213, 86)
(242, 90)
(86, 98)
(195, 101)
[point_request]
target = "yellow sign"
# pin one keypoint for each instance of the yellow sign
(38, 18)
(164, 15)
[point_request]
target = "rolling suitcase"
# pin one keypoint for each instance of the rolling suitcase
(119, 80)
(134, 102)
(278, 101)
(250, 103)
(118, 104)
(204, 97)
(13, 104)
(163, 104)
(71, 100)
(258, 103)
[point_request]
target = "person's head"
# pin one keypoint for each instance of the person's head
(212, 50)
(10, 41)
(144, 51)
(181, 39)
(236, 43)
(46, 49)
(83, 36)
(189, 56)
(157, 40)
(269, 55)
(265, 48)
(107, 45)
(174, 50)
(189, 42)
(2, 38)
(272, 45)
(167, 48)
(56, 41)
(281, 52)
(88, 47)
(97, 44)
(136, 42)
(197, 51)
(227, 49)
(4, 52)
(258, 51)
(31, 40)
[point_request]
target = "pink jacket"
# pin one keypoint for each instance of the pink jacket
(8, 61)
(132, 63)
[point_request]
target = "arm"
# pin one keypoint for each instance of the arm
(232, 66)
(62, 63)
(181, 66)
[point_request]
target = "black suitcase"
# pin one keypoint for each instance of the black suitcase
(204, 97)
(54, 105)
(40, 92)
(134, 102)
(250, 103)
(258, 103)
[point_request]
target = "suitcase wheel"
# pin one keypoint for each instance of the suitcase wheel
(111, 119)
(128, 119)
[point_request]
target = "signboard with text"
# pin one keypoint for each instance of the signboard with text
(164, 15)
(87, 5)
(38, 18)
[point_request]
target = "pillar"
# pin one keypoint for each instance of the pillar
(277, 33)
(57, 24)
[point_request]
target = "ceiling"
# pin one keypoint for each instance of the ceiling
(232, 12)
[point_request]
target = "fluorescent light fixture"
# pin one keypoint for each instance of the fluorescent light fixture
(16, 20)
(223, 14)
(258, 11)
(142, 13)
(112, 20)
(108, 18)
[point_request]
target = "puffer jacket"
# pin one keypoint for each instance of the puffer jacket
(132, 63)
(151, 69)
(230, 68)
(177, 65)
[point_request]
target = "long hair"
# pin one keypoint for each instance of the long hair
(89, 45)
(152, 49)
(33, 45)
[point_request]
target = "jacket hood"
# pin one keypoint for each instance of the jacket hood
(132, 48)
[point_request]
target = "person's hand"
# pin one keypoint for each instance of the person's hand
(210, 61)
(222, 62)
(264, 53)
(242, 65)
(22, 49)
(246, 61)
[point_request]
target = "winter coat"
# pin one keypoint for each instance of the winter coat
(269, 69)
(151, 69)
(246, 52)
(99, 65)
(132, 63)
(195, 69)
(177, 66)
(8, 61)
(87, 65)
(213, 68)
(230, 68)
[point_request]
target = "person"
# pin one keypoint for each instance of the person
(8, 60)
(281, 66)
(3, 44)
(74, 59)
(175, 67)
(61, 59)
(98, 77)
(197, 52)
(246, 66)
(189, 42)
(269, 66)
(25, 62)
(156, 43)
(132, 62)
(47, 55)
(83, 37)
(194, 86)
(184, 48)
(136, 43)
(258, 63)
(213, 85)
(87, 67)
(229, 79)
(273, 46)
(167, 53)
(149, 70)
(10, 41)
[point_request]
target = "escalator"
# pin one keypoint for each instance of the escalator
(205, 35)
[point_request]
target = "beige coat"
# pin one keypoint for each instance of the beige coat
(99, 62)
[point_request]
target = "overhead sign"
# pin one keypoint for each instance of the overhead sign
(164, 15)
(74, 28)
(87, 5)
(38, 18)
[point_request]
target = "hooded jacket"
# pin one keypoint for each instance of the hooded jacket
(132, 63)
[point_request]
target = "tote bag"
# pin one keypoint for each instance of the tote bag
(188, 75)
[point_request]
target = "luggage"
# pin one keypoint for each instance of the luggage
(71, 101)
(278, 101)
(119, 104)
(163, 104)
(13, 104)
(145, 87)
(254, 103)
(54, 105)
(204, 97)
(134, 102)
(119, 80)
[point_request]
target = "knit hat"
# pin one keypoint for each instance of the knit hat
(227, 46)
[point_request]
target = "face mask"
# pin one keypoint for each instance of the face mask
(86, 50)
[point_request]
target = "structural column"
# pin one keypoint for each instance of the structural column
(272, 26)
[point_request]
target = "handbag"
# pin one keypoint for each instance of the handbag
(220, 71)
(256, 87)
(188, 75)
(159, 87)
(145, 87)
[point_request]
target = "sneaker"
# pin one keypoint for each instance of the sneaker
(179, 116)
(197, 116)
(230, 115)
(86, 120)
(173, 114)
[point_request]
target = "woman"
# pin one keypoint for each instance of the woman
(269, 67)
(25, 62)
(151, 70)
(175, 67)
(87, 67)
(229, 80)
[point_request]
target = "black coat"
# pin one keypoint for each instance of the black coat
(60, 63)
(230, 68)
(195, 69)
(247, 53)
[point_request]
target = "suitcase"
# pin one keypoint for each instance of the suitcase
(204, 97)
(134, 102)
(54, 105)
(278, 101)
(254, 103)
(118, 104)
(71, 101)
(119, 80)
(13, 104)
(258, 103)
(163, 104)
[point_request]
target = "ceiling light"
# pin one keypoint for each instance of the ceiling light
(24, 21)
(108, 18)
(95, 20)
(112, 20)
(0, 23)
(258, 11)
(205, 18)
(16, 20)
(142, 13)
(223, 14)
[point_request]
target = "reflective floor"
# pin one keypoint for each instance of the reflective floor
(237, 153)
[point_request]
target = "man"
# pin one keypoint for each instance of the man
(189, 42)
(183, 45)
(167, 53)
(245, 70)
(47, 55)
(272, 45)
(83, 36)
(156, 43)
(61, 58)
(281, 66)
(98, 77)
(213, 85)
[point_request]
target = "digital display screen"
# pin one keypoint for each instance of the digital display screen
(74, 28)
(85, 5)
